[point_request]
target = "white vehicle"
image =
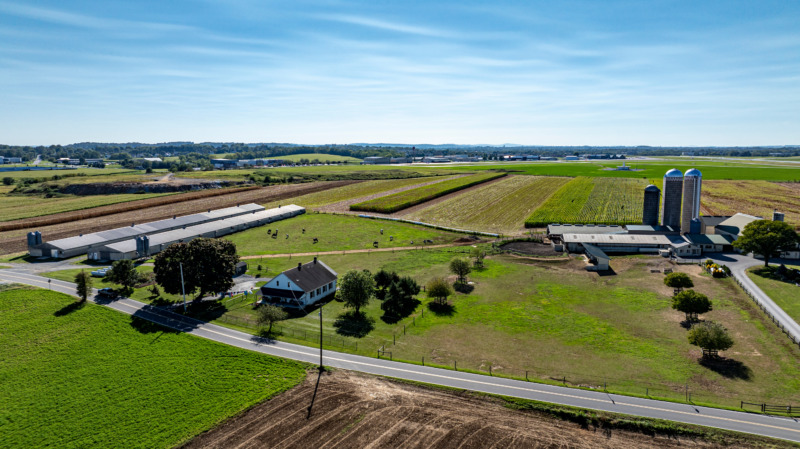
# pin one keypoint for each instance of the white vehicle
(101, 272)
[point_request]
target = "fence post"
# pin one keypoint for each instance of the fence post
(423, 360)
(393, 339)
(526, 375)
(455, 365)
(490, 370)
(564, 380)
(404, 329)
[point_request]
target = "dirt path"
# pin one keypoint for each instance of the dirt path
(343, 207)
(368, 250)
(358, 411)
(13, 241)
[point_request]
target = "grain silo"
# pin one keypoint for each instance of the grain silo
(691, 199)
(652, 197)
(671, 198)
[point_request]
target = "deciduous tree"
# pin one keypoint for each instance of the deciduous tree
(461, 268)
(767, 238)
(691, 303)
(123, 273)
(269, 314)
(711, 338)
(208, 266)
(83, 282)
(439, 290)
(356, 288)
(678, 281)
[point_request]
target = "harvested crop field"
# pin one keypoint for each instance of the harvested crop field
(354, 411)
(531, 248)
(502, 206)
(403, 200)
(14, 240)
(752, 197)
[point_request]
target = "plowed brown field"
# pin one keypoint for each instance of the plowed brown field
(14, 241)
(359, 411)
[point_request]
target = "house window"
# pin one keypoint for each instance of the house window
(318, 291)
(277, 283)
(312, 294)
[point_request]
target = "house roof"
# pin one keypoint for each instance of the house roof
(583, 229)
(311, 275)
(708, 239)
(735, 224)
(620, 239)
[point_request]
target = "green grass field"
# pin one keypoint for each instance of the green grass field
(405, 199)
(554, 319)
(501, 207)
(48, 174)
(92, 377)
(786, 295)
(335, 233)
(732, 170)
(592, 200)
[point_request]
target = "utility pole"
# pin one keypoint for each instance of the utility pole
(320, 337)
(183, 289)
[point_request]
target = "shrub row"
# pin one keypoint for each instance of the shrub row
(398, 201)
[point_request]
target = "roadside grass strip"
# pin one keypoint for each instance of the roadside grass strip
(402, 200)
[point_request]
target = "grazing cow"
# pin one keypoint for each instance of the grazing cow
(427, 241)
(375, 244)
(381, 231)
(316, 240)
(304, 230)
(391, 238)
(269, 231)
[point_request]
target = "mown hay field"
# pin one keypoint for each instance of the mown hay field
(86, 376)
(593, 200)
(500, 207)
(357, 190)
(751, 197)
(392, 203)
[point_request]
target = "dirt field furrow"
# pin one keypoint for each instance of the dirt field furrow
(358, 411)
(14, 241)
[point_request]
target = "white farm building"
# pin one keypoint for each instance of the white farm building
(147, 239)
(300, 286)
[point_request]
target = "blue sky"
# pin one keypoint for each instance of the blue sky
(536, 73)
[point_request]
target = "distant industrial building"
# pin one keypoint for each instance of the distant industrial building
(97, 245)
(652, 198)
(671, 199)
(377, 160)
(10, 160)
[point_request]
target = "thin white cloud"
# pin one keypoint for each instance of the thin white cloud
(386, 25)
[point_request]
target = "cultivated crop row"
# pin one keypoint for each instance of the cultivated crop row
(500, 207)
(593, 200)
(392, 203)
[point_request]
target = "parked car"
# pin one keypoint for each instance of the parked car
(107, 293)
(101, 272)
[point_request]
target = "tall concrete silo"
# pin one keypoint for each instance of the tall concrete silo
(652, 198)
(671, 198)
(691, 198)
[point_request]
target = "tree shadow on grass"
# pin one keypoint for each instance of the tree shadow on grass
(463, 287)
(144, 326)
(69, 308)
(732, 369)
(442, 309)
(352, 324)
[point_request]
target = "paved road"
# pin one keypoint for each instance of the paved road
(771, 426)
(739, 263)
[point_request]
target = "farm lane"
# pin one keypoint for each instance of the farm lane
(739, 263)
(770, 426)
(365, 250)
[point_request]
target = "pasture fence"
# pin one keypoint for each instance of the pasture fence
(766, 311)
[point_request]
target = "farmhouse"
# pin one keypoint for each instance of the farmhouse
(300, 286)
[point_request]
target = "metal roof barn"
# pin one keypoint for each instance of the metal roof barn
(128, 249)
(82, 244)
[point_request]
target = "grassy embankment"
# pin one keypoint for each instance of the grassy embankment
(87, 376)
(785, 294)
(501, 207)
(401, 200)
